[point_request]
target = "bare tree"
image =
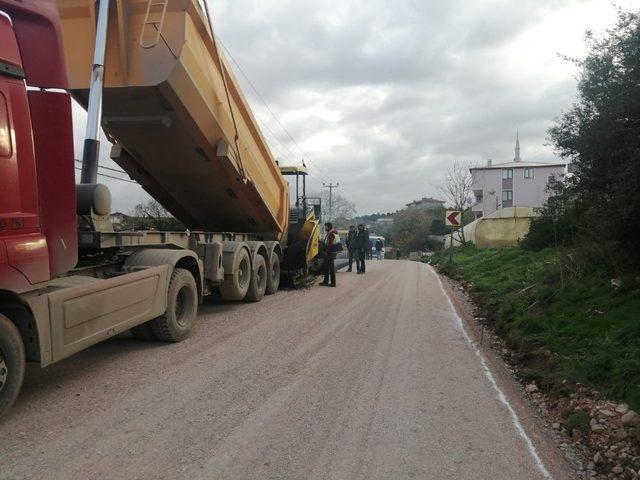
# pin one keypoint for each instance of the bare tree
(458, 189)
(153, 215)
(341, 207)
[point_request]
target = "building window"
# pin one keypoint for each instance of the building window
(507, 195)
(507, 173)
(528, 173)
(551, 179)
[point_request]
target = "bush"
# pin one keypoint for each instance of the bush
(433, 244)
(546, 231)
(578, 420)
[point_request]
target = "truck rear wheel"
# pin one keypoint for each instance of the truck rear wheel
(236, 284)
(12, 363)
(273, 275)
(258, 283)
(182, 306)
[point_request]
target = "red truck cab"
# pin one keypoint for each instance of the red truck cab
(38, 233)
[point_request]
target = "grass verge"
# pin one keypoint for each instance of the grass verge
(576, 327)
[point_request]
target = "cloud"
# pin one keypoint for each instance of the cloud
(383, 96)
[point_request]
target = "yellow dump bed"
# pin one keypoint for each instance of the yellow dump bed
(167, 109)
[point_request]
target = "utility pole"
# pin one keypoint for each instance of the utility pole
(331, 186)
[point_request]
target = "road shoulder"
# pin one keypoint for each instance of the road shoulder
(537, 428)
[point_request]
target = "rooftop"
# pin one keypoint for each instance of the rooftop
(519, 165)
(517, 161)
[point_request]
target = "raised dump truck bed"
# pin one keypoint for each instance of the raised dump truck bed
(181, 125)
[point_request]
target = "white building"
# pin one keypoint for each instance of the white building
(516, 183)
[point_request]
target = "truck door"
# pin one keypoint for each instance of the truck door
(23, 247)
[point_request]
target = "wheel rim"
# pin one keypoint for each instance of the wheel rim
(244, 272)
(4, 370)
(275, 271)
(183, 306)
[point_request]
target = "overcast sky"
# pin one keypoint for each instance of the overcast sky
(382, 96)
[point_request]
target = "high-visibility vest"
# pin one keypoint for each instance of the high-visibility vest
(336, 240)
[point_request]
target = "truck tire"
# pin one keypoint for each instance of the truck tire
(182, 306)
(143, 332)
(258, 283)
(12, 363)
(236, 284)
(273, 274)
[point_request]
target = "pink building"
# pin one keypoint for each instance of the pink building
(516, 183)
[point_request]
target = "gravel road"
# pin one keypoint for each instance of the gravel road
(371, 380)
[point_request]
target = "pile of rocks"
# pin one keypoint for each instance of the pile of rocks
(606, 433)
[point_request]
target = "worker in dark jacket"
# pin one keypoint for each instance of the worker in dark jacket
(362, 245)
(379, 246)
(351, 245)
(331, 247)
(370, 250)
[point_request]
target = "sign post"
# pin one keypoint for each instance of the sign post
(453, 218)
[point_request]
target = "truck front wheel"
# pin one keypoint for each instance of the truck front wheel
(182, 307)
(12, 363)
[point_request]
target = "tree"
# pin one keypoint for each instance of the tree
(600, 133)
(412, 228)
(457, 189)
(342, 209)
(152, 215)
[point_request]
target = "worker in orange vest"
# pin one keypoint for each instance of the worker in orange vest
(332, 245)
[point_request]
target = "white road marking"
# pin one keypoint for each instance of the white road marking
(501, 396)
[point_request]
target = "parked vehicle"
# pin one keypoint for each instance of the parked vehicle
(180, 127)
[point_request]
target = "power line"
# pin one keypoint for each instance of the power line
(117, 170)
(253, 87)
(107, 168)
(219, 40)
(111, 176)
(264, 124)
(275, 137)
(264, 102)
